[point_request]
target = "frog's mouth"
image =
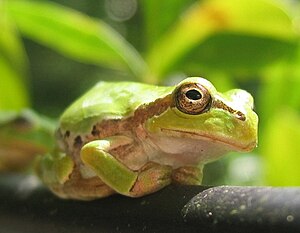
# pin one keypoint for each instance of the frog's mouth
(233, 145)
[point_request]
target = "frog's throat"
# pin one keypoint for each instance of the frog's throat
(235, 145)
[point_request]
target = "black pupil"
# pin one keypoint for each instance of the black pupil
(193, 95)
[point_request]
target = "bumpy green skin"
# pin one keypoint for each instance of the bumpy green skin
(220, 128)
(216, 123)
(109, 100)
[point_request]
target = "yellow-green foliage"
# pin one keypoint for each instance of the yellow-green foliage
(252, 44)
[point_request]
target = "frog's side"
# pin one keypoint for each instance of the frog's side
(134, 139)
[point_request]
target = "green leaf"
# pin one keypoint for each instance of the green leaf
(237, 54)
(13, 94)
(10, 44)
(259, 18)
(75, 35)
(13, 66)
(281, 87)
(280, 148)
(159, 16)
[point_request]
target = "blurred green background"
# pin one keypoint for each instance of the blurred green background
(52, 51)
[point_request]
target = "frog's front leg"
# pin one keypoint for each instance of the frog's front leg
(150, 178)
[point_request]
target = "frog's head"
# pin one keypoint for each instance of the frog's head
(198, 111)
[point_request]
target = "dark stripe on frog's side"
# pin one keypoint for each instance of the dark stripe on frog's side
(113, 127)
(141, 114)
(78, 141)
(95, 131)
(144, 112)
(219, 104)
(67, 134)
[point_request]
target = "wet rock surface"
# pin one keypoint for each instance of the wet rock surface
(260, 209)
(26, 206)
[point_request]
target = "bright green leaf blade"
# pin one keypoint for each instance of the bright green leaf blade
(159, 16)
(281, 87)
(75, 35)
(10, 44)
(13, 93)
(260, 18)
(280, 148)
(237, 53)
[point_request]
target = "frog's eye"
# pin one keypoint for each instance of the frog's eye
(192, 98)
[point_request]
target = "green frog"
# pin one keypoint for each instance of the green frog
(134, 139)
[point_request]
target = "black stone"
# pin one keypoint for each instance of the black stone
(257, 209)
(25, 207)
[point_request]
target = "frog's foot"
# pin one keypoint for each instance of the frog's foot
(117, 176)
(82, 188)
(188, 175)
(59, 173)
(151, 177)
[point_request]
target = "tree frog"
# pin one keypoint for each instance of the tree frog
(134, 139)
(23, 135)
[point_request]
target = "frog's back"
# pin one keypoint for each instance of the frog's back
(109, 100)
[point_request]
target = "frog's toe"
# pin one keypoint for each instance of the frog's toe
(81, 188)
(151, 178)
(188, 175)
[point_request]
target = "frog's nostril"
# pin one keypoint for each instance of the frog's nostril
(241, 116)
